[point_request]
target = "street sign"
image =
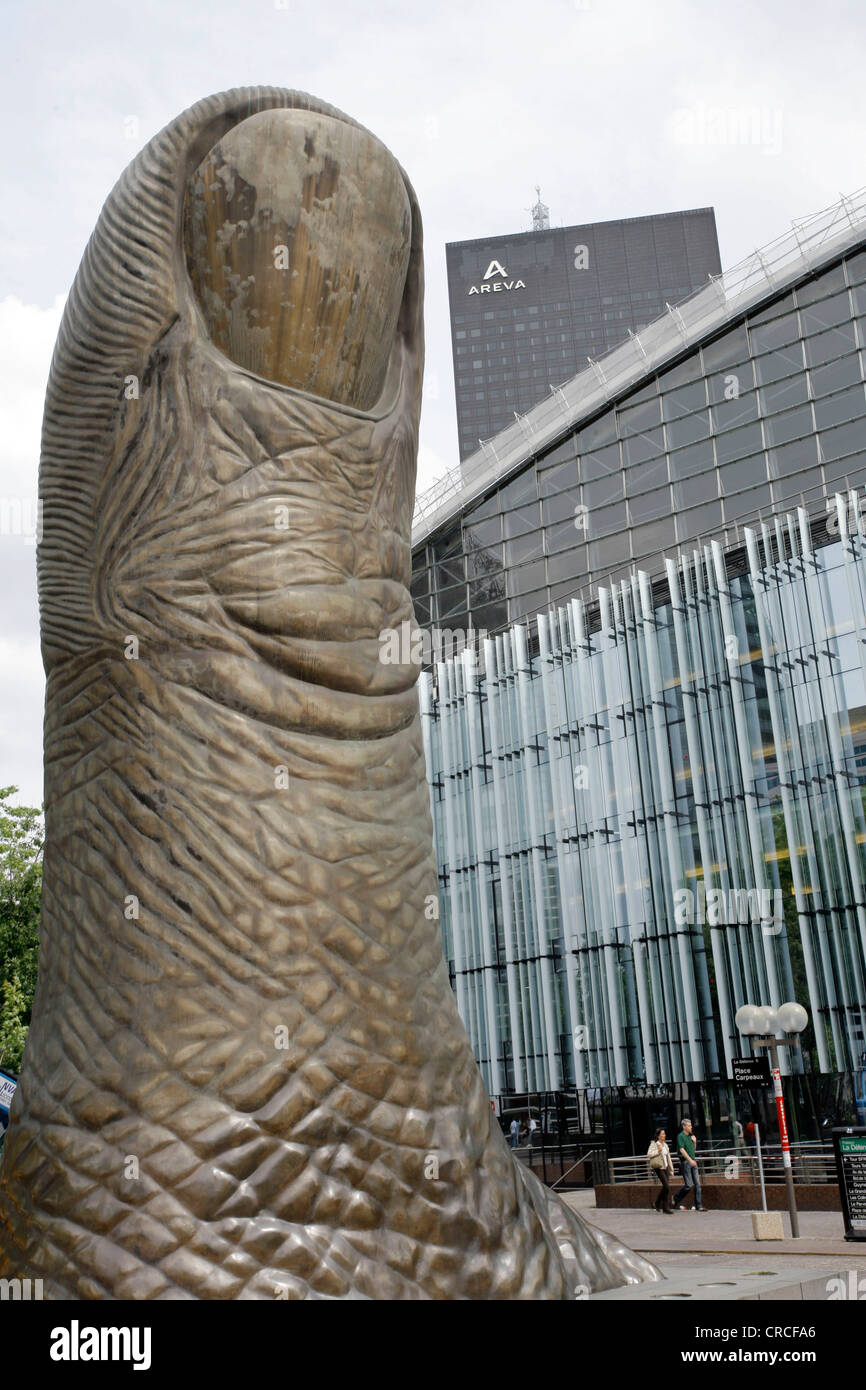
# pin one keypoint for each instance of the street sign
(849, 1146)
(751, 1071)
(8, 1084)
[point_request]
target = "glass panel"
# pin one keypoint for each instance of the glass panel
(826, 313)
(784, 394)
(774, 311)
(697, 459)
(609, 489)
(486, 590)
(703, 488)
(526, 578)
(688, 430)
(829, 282)
(608, 519)
(561, 507)
(600, 463)
(569, 564)
(841, 441)
(602, 431)
(776, 365)
(689, 370)
(739, 376)
(731, 347)
(650, 505)
(835, 377)
(659, 535)
(745, 473)
(527, 605)
(748, 504)
(451, 602)
(789, 489)
(423, 611)
(491, 617)
(482, 533)
(790, 458)
(851, 469)
(856, 268)
(480, 562)
(604, 555)
(835, 410)
(566, 450)
(450, 572)
(728, 415)
(518, 490)
(557, 479)
(823, 347)
(522, 519)
(639, 418)
(700, 521)
(648, 475)
(684, 401)
(485, 509)
(448, 543)
(563, 536)
(768, 336)
(735, 444)
(420, 582)
(523, 548)
(781, 429)
(640, 447)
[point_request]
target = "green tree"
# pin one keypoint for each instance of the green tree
(21, 839)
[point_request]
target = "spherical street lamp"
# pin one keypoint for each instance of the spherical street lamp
(791, 1018)
(746, 1018)
(768, 1020)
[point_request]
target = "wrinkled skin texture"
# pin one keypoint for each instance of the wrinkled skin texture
(234, 1086)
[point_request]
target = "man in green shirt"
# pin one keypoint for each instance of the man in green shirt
(688, 1167)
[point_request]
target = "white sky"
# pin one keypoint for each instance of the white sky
(618, 108)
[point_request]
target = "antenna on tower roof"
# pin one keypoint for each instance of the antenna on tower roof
(540, 214)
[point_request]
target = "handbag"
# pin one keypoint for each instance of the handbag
(658, 1159)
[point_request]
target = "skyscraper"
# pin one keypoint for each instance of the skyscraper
(528, 309)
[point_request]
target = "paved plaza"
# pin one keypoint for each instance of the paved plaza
(690, 1237)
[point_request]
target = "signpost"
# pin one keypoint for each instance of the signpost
(750, 1071)
(849, 1146)
(760, 1023)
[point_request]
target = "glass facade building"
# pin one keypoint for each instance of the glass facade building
(647, 782)
(656, 814)
(528, 310)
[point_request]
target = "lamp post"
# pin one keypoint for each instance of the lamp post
(761, 1024)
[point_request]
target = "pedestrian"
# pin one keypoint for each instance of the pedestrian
(514, 1132)
(661, 1166)
(532, 1128)
(688, 1167)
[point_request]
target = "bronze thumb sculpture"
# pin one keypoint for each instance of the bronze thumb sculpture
(246, 1076)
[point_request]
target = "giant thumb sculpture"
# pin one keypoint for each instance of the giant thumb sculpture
(246, 1076)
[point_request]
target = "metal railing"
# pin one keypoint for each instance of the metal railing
(812, 1162)
(565, 1165)
(810, 242)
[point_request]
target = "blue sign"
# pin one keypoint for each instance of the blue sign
(8, 1086)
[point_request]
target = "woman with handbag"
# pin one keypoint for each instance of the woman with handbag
(662, 1167)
